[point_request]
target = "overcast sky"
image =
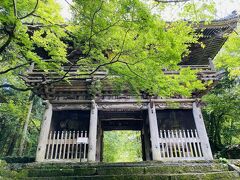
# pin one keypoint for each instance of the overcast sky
(224, 8)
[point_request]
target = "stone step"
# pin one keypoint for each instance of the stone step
(183, 176)
(71, 170)
(133, 164)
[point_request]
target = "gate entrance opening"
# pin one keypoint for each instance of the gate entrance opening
(123, 136)
(122, 146)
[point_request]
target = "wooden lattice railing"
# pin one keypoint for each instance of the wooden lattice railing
(80, 84)
(36, 75)
(64, 146)
(180, 145)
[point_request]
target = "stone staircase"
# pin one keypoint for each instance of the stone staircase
(130, 171)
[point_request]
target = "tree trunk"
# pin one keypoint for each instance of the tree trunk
(231, 134)
(12, 144)
(24, 134)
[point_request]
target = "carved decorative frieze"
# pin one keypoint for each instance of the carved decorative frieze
(161, 105)
(59, 107)
(186, 105)
(121, 106)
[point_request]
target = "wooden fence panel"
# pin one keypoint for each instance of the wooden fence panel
(180, 145)
(63, 146)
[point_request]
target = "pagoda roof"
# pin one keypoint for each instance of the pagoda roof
(214, 35)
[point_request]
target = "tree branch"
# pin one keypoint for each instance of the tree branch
(13, 68)
(71, 6)
(99, 66)
(38, 16)
(130, 69)
(14, 87)
(14, 8)
(104, 29)
(91, 28)
(171, 1)
(34, 9)
(10, 36)
(102, 65)
(112, 60)
(89, 44)
(35, 125)
(38, 26)
(3, 47)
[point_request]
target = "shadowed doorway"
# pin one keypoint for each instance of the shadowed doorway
(122, 137)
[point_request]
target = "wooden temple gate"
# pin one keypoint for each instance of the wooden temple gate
(165, 144)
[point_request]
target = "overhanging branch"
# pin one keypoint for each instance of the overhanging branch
(112, 60)
(10, 34)
(15, 8)
(171, 1)
(29, 14)
(3, 47)
(14, 87)
(13, 68)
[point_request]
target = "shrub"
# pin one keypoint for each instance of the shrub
(19, 159)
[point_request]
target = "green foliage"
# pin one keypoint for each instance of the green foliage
(125, 38)
(229, 56)
(230, 152)
(121, 36)
(24, 29)
(198, 11)
(20, 39)
(19, 159)
(222, 113)
(5, 171)
(223, 160)
(222, 110)
(122, 146)
(13, 115)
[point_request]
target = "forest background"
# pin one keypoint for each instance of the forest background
(30, 24)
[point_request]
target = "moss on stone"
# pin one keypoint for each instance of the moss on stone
(85, 171)
(221, 175)
(6, 172)
(184, 169)
(129, 171)
(120, 170)
(50, 172)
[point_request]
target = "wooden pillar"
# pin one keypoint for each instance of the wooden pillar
(92, 133)
(152, 116)
(99, 142)
(146, 140)
(198, 118)
(43, 137)
(102, 146)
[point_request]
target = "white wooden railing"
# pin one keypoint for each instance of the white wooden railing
(180, 145)
(64, 146)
